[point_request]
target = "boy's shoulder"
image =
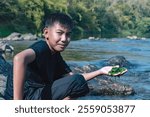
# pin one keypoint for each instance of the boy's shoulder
(39, 46)
(39, 42)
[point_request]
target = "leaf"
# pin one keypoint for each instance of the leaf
(116, 71)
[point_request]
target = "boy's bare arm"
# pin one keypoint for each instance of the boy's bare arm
(88, 76)
(19, 69)
(102, 71)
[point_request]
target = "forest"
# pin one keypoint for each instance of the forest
(92, 18)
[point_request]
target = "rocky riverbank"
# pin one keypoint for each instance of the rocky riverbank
(5, 47)
(101, 85)
(19, 37)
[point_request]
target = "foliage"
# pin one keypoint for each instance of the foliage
(96, 18)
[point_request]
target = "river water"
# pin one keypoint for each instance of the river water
(86, 51)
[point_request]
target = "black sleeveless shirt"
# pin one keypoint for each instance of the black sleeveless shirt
(43, 71)
(47, 66)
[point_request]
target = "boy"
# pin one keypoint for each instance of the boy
(48, 76)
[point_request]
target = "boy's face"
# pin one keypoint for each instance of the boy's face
(57, 37)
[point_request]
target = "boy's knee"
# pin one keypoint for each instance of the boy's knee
(81, 87)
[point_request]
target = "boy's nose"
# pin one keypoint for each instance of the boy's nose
(64, 38)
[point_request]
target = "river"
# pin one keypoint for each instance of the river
(83, 52)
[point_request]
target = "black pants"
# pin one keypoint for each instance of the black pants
(73, 86)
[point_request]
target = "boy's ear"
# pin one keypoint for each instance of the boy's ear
(45, 31)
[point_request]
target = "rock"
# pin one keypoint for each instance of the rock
(109, 87)
(118, 60)
(14, 36)
(5, 73)
(3, 80)
(103, 85)
(132, 37)
(5, 47)
(91, 38)
(84, 69)
(19, 37)
(29, 37)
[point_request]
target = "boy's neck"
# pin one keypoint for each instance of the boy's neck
(52, 51)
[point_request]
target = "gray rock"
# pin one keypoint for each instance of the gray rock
(109, 87)
(5, 47)
(19, 37)
(14, 36)
(29, 37)
(118, 60)
(103, 85)
(5, 69)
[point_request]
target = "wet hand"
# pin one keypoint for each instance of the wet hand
(105, 70)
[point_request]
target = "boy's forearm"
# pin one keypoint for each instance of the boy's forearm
(104, 70)
(91, 75)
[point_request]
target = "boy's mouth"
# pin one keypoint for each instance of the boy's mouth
(63, 45)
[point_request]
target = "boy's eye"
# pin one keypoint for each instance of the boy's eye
(60, 33)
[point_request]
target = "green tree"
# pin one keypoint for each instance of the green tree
(98, 18)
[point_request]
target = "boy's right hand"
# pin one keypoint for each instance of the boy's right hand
(105, 70)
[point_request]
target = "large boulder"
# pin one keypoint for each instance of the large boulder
(19, 37)
(118, 60)
(104, 85)
(5, 73)
(14, 37)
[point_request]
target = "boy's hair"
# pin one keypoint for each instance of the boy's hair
(58, 18)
